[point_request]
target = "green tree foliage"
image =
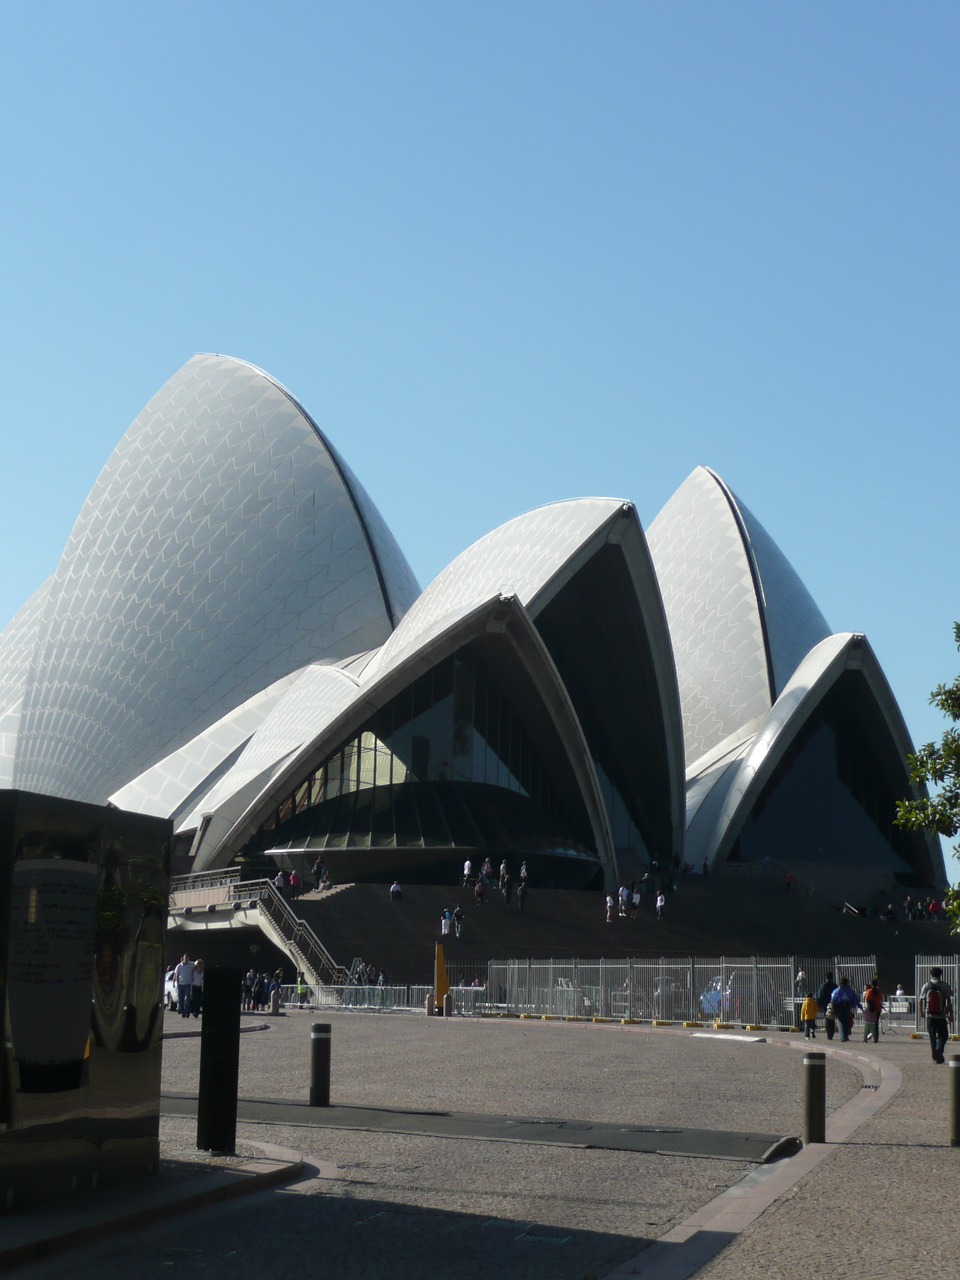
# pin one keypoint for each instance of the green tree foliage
(937, 765)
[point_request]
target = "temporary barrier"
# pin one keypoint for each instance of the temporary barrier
(741, 990)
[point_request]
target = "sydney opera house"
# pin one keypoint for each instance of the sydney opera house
(234, 640)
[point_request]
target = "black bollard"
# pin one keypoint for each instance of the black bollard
(954, 1100)
(320, 1064)
(219, 1061)
(814, 1098)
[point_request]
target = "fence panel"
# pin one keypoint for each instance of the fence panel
(742, 990)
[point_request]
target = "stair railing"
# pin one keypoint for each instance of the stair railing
(296, 932)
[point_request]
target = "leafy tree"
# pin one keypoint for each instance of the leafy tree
(938, 765)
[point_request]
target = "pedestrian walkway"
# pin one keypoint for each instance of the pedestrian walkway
(413, 1190)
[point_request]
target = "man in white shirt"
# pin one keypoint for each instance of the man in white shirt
(183, 976)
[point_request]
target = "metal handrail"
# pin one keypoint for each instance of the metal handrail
(296, 931)
(204, 879)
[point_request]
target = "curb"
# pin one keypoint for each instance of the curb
(276, 1165)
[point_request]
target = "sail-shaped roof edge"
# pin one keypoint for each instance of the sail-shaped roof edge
(500, 620)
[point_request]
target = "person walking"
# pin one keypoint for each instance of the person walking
(936, 1005)
(661, 903)
(196, 991)
(183, 976)
(845, 1003)
(808, 1016)
(457, 919)
(872, 1009)
(823, 1000)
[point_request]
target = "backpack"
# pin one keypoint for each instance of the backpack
(935, 1003)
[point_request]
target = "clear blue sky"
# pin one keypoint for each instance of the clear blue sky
(506, 254)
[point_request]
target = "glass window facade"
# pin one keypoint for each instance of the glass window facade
(597, 637)
(447, 763)
(832, 798)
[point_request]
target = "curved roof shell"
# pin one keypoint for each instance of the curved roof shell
(740, 619)
(224, 545)
(730, 787)
(17, 643)
(328, 705)
(535, 559)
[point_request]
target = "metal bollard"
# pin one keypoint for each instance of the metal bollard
(448, 1005)
(320, 1064)
(430, 1006)
(814, 1098)
(219, 1061)
(954, 1100)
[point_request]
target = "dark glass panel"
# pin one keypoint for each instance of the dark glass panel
(433, 823)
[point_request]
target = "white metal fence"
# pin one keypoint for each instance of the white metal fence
(743, 991)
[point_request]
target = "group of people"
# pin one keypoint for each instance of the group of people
(368, 975)
(257, 988)
(188, 977)
(487, 879)
(840, 1003)
(626, 902)
(451, 920)
(928, 908)
(292, 884)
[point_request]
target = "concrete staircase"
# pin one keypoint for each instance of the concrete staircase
(716, 916)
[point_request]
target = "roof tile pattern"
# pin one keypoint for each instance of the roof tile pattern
(17, 641)
(219, 550)
(794, 621)
(518, 558)
(712, 612)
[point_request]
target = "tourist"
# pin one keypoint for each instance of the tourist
(823, 1000)
(183, 976)
(936, 1005)
(196, 991)
(845, 1003)
(808, 1016)
(872, 1009)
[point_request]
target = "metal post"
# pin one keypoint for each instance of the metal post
(814, 1098)
(320, 1064)
(954, 1100)
(219, 1061)
(448, 1005)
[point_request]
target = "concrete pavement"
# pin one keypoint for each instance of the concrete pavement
(409, 1198)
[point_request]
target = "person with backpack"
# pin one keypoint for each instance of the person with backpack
(936, 1005)
(872, 1009)
(845, 1003)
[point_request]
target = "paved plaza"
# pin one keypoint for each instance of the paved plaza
(528, 1149)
